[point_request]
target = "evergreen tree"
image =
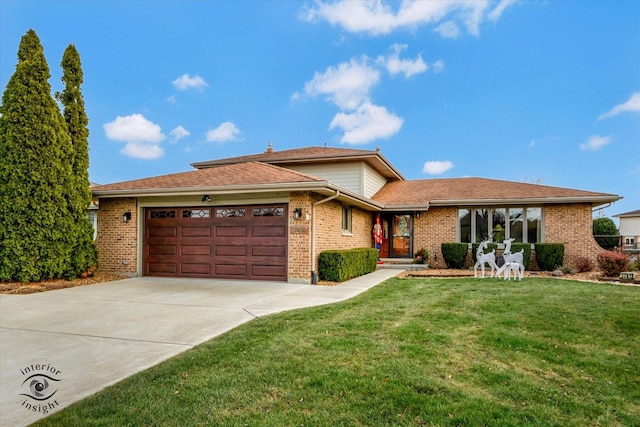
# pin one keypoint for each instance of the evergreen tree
(34, 144)
(84, 255)
(603, 227)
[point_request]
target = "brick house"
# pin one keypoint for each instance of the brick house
(267, 216)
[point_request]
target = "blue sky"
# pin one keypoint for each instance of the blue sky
(529, 91)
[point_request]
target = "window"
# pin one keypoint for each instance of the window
(162, 214)
(230, 212)
(464, 224)
(482, 224)
(346, 219)
(534, 225)
(195, 213)
(268, 212)
(518, 223)
(93, 219)
(515, 224)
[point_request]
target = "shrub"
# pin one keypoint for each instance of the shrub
(583, 265)
(603, 227)
(421, 256)
(526, 256)
(613, 263)
(566, 269)
(454, 254)
(549, 255)
(474, 249)
(341, 265)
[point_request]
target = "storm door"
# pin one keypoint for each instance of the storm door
(402, 233)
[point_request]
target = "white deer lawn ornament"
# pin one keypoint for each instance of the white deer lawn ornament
(512, 262)
(483, 258)
(511, 267)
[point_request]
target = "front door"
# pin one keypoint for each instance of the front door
(401, 231)
(397, 236)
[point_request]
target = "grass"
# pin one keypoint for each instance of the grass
(540, 352)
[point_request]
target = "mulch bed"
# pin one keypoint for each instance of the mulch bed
(20, 288)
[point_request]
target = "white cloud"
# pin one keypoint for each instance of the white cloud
(141, 135)
(438, 66)
(377, 17)
(133, 128)
(632, 105)
(395, 65)
(437, 167)
(142, 150)
(346, 85)
(596, 142)
(171, 99)
(178, 133)
(185, 82)
(369, 122)
(227, 131)
(495, 14)
(448, 30)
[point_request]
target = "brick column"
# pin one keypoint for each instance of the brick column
(117, 241)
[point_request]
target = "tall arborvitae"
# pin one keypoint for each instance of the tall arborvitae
(34, 148)
(84, 255)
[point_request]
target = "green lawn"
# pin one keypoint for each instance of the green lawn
(407, 352)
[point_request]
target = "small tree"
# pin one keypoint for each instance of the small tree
(79, 194)
(603, 227)
(34, 148)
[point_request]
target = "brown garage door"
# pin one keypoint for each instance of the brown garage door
(230, 242)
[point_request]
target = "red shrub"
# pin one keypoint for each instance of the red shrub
(613, 263)
(583, 265)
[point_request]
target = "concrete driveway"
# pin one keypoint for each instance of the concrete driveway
(64, 345)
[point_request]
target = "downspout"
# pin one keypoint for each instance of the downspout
(599, 208)
(314, 276)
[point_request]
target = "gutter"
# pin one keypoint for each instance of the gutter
(525, 200)
(599, 208)
(314, 276)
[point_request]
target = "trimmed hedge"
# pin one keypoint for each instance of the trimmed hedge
(341, 265)
(454, 254)
(517, 247)
(549, 255)
(488, 249)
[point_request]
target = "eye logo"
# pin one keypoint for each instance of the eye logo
(39, 387)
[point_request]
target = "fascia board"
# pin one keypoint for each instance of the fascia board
(595, 200)
(234, 189)
(397, 208)
(322, 187)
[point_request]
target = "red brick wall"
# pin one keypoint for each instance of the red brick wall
(299, 237)
(117, 240)
(571, 225)
(568, 224)
(434, 227)
(329, 233)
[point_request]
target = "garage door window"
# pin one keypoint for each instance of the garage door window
(268, 212)
(195, 213)
(162, 214)
(229, 212)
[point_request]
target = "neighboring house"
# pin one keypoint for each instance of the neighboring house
(268, 216)
(629, 230)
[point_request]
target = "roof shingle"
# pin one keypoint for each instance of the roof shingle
(430, 191)
(307, 153)
(242, 174)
